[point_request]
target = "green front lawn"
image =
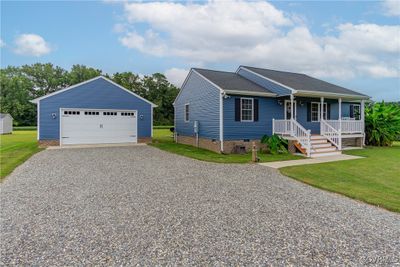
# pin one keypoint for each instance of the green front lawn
(15, 148)
(162, 139)
(375, 179)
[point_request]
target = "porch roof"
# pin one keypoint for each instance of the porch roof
(306, 85)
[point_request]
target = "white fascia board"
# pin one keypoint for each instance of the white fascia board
(63, 90)
(327, 94)
(35, 101)
(271, 80)
(182, 86)
(249, 93)
(219, 88)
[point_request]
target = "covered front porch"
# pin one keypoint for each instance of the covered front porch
(321, 124)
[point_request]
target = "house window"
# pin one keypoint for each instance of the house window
(355, 111)
(316, 111)
(186, 112)
(246, 109)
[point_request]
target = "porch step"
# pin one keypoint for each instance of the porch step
(317, 137)
(320, 147)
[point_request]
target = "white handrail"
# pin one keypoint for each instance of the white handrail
(331, 134)
(347, 126)
(294, 129)
(302, 135)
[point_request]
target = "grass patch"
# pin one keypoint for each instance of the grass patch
(163, 140)
(15, 148)
(24, 128)
(162, 127)
(375, 179)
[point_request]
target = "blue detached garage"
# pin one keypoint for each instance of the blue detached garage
(97, 111)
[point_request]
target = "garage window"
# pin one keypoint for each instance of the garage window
(127, 114)
(108, 113)
(71, 112)
(92, 113)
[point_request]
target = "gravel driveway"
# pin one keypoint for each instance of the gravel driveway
(139, 205)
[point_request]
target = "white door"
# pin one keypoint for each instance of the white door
(84, 126)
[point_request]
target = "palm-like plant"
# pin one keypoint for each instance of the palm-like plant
(275, 144)
(382, 123)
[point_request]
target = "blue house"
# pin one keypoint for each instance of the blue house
(226, 111)
(97, 111)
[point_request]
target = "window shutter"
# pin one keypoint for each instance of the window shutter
(308, 111)
(255, 107)
(328, 111)
(237, 109)
(351, 111)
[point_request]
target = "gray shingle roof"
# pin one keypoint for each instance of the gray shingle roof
(302, 82)
(231, 81)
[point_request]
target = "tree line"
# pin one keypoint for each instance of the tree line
(19, 85)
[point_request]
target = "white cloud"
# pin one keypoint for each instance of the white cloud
(257, 33)
(31, 45)
(2, 43)
(391, 7)
(176, 76)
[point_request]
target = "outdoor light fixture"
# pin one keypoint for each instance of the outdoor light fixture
(141, 116)
(53, 115)
(280, 102)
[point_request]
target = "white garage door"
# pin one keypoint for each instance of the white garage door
(83, 126)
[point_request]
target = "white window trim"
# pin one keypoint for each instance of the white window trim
(184, 113)
(319, 111)
(252, 109)
(295, 108)
(359, 110)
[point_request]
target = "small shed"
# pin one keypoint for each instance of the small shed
(6, 123)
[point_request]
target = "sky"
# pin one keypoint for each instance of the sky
(352, 44)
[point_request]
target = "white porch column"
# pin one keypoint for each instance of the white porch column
(291, 113)
(321, 118)
(362, 117)
(340, 123)
(322, 108)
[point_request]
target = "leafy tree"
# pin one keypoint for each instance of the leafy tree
(382, 123)
(81, 73)
(45, 78)
(130, 81)
(162, 93)
(15, 96)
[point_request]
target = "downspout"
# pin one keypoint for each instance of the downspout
(221, 121)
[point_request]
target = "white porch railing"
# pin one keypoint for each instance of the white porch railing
(331, 134)
(347, 126)
(294, 129)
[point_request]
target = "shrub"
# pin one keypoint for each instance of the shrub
(382, 123)
(275, 144)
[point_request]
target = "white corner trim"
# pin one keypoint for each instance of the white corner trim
(271, 80)
(221, 121)
(38, 120)
(151, 122)
(88, 81)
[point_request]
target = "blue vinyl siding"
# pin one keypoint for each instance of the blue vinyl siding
(271, 86)
(203, 100)
(268, 108)
(98, 94)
